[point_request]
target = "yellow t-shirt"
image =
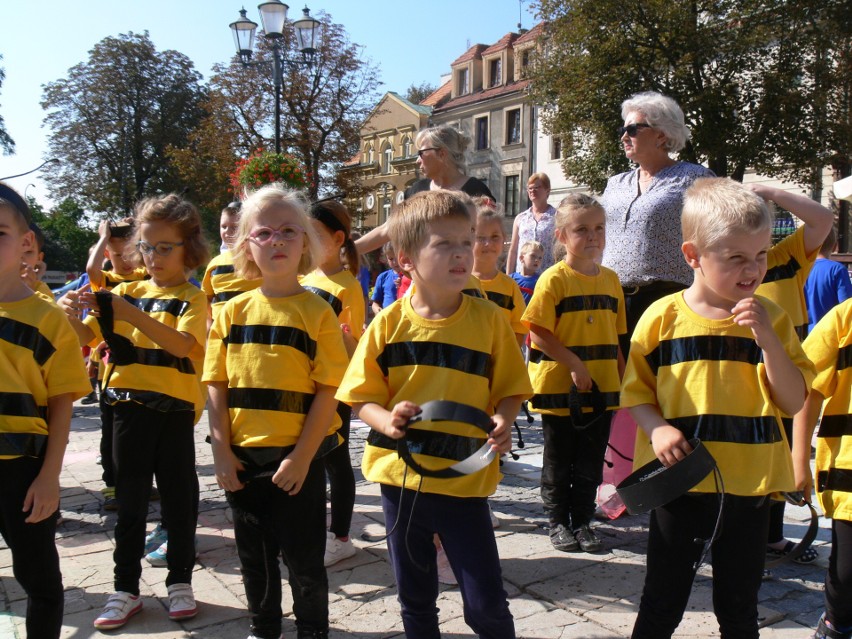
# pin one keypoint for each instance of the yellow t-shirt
(113, 279)
(505, 293)
(43, 290)
(471, 357)
(272, 352)
(345, 295)
(158, 380)
(221, 283)
(39, 359)
(830, 348)
(708, 379)
(787, 268)
(564, 302)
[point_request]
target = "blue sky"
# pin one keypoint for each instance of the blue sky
(411, 42)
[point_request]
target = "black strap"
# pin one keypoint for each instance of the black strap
(26, 444)
(443, 410)
(579, 419)
(798, 499)
(121, 349)
(655, 485)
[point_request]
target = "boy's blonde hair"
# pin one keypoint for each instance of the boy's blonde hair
(408, 227)
(174, 210)
(530, 246)
(714, 208)
(267, 197)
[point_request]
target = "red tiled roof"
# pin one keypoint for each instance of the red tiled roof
(532, 34)
(355, 160)
(435, 98)
(477, 96)
(501, 44)
(474, 52)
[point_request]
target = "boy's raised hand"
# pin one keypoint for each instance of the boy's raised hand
(750, 312)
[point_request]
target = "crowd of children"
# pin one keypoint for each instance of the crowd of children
(278, 345)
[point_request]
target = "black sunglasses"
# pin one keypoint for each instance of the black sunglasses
(422, 151)
(632, 129)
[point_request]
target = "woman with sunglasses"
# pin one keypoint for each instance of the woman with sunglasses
(643, 205)
(440, 159)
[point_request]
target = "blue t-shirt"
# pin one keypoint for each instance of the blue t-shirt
(386, 288)
(827, 285)
(364, 279)
(526, 284)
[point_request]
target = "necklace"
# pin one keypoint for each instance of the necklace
(589, 301)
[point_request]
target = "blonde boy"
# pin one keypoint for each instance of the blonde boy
(721, 364)
(437, 343)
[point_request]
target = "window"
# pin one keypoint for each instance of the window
(525, 59)
(461, 82)
(385, 199)
(406, 148)
(480, 126)
(513, 126)
(512, 195)
(495, 72)
(555, 148)
(368, 154)
(387, 158)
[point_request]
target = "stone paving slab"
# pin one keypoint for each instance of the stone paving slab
(551, 594)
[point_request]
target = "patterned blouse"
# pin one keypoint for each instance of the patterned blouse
(543, 231)
(643, 234)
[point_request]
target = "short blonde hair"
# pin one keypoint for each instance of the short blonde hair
(408, 228)
(453, 141)
(269, 197)
(541, 177)
(529, 246)
(714, 208)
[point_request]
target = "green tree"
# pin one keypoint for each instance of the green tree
(67, 234)
(763, 84)
(112, 119)
(416, 93)
(6, 142)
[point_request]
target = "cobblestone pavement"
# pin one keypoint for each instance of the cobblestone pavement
(552, 594)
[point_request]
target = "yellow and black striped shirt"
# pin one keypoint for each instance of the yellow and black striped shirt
(505, 293)
(221, 283)
(345, 295)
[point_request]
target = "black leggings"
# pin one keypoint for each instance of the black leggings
(776, 510)
(338, 467)
(838, 579)
(737, 559)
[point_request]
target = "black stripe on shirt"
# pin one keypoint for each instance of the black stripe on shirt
(159, 357)
(729, 428)
(432, 443)
(844, 357)
(501, 299)
(336, 304)
(21, 405)
(551, 401)
(835, 426)
(575, 303)
(224, 296)
(273, 335)
(223, 269)
(473, 292)
(801, 331)
(715, 348)
(836, 479)
(171, 305)
(782, 271)
(585, 353)
(22, 334)
(285, 401)
(436, 354)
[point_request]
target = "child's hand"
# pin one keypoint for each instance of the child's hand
(42, 498)
(225, 466)
(121, 308)
(581, 377)
(91, 369)
(500, 436)
(765, 192)
(669, 444)
(104, 230)
(804, 479)
(29, 275)
(749, 312)
(398, 420)
(71, 304)
(291, 474)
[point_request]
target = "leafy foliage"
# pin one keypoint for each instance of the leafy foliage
(113, 118)
(266, 167)
(416, 93)
(6, 142)
(763, 84)
(67, 235)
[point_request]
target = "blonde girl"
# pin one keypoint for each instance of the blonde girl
(275, 357)
(155, 330)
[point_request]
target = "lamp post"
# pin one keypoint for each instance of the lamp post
(50, 161)
(273, 15)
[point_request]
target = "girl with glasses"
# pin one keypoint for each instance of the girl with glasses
(275, 357)
(155, 330)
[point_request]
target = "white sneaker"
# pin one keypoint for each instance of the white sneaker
(495, 523)
(181, 602)
(445, 571)
(256, 637)
(119, 608)
(337, 550)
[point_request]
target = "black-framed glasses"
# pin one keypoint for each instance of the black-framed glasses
(160, 248)
(632, 130)
(422, 151)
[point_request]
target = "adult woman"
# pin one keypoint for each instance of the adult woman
(536, 223)
(643, 205)
(440, 158)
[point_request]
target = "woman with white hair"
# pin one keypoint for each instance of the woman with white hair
(643, 205)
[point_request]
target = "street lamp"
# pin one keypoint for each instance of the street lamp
(50, 161)
(273, 15)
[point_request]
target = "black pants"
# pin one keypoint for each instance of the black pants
(776, 510)
(338, 465)
(107, 462)
(35, 562)
(636, 303)
(737, 559)
(838, 579)
(150, 443)
(572, 468)
(464, 526)
(268, 521)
